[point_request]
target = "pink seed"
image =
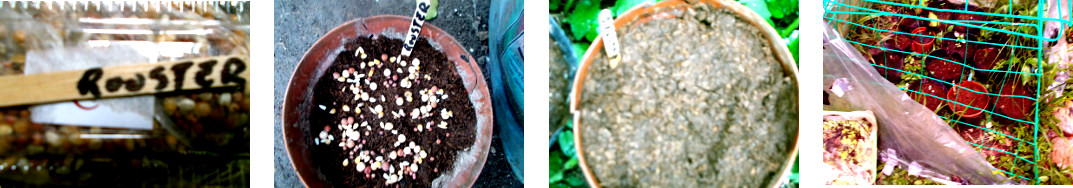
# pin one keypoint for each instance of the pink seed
(327, 128)
(383, 57)
(335, 75)
(350, 120)
(351, 69)
(437, 141)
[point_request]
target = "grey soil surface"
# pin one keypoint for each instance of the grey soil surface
(699, 101)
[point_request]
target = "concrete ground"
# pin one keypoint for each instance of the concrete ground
(298, 24)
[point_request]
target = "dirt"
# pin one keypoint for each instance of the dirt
(379, 132)
(930, 87)
(891, 61)
(697, 101)
(559, 84)
(1013, 106)
(944, 69)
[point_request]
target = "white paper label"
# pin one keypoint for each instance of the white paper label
(415, 26)
(609, 36)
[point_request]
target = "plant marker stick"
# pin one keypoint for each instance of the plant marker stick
(415, 27)
(609, 36)
(125, 80)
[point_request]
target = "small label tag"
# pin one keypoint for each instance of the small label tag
(415, 26)
(609, 36)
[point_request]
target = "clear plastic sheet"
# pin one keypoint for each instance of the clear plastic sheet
(910, 135)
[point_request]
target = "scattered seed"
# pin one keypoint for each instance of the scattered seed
(345, 162)
(383, 57)
(392, 59)
(443, 125)
(322, 107)
(332, 111)
(346, 108)
(398, 101)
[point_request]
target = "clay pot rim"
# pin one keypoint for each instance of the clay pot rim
(952, 94)
(319, 55)
(643, 13)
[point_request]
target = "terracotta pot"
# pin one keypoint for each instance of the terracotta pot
(943, 69)
(298, 99)
(644, 13)
(968, 98)
(921, 44)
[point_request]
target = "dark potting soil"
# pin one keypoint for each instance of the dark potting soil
(1013, 106)
(944, 69)
(931, 87)
(382, 116)
(968, 98)
(696, 101)
(891, 61)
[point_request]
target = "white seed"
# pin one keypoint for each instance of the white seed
(379, 158)
(346, 108)
(323, 135)
(398, 70)
(392, 59)
(372, 86)
(443, 124)
(364, 96)
(413, 167)
(376, 164)
(360, 166)
(387, 73)
(417, 62)
(402, 139)
(316, 140)
(424, 98)
(322, 107)
(398, 101)
(391, 155)
(332, 111)
(346, 162)
(444, 97)
(423, 154)
(389, 126)
(439, 91)
(403, 63)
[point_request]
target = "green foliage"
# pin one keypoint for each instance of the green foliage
(566, 143)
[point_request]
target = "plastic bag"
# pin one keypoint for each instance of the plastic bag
(910, 135)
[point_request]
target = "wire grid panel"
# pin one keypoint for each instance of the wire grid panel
(1016, 34)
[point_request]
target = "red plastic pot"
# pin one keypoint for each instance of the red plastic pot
(920, 44)
(297, 101)
(968, 97)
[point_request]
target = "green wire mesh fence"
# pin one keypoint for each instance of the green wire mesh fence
(916, 43)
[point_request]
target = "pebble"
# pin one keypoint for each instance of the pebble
(6, 130)
(203, 109)
(170, 105)
(185, 105)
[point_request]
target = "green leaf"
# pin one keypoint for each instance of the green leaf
(574, 180)
(583, 19)
(624, 5)
(432, 10)
(553, 5)
(579, 49)
(794, 45)
(570, 123)
(758, 6)
(570, 164)
(555, 167)
(566, 143)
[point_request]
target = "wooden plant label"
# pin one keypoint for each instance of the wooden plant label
(415, 27)
(125, 80)
(609, 36)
